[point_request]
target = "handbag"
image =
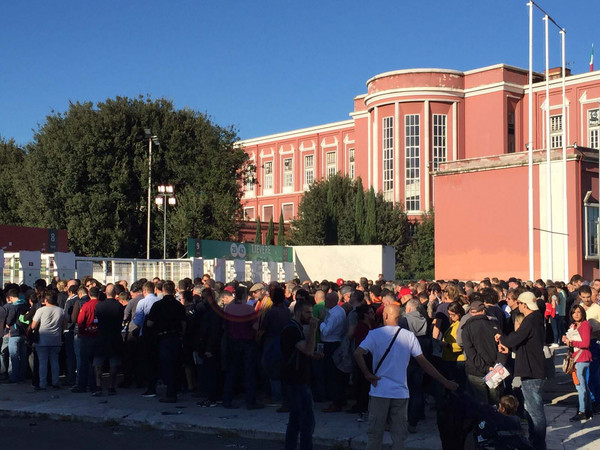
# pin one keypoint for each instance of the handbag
(568, 365)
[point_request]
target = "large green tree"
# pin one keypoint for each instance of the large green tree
(330, 209)
(417, 259)
(87, 171)
(12, 158)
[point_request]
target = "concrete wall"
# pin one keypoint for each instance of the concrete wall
(350, 262)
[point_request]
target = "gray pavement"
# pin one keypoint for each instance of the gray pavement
(338, 430)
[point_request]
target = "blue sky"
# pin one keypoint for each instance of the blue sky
(262, 66)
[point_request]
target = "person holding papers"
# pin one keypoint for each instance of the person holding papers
(578, 336)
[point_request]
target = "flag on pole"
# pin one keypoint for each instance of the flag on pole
(592, 59)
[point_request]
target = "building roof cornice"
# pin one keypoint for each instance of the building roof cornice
(334, 126)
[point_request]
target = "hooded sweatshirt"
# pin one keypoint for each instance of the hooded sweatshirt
(415, 322)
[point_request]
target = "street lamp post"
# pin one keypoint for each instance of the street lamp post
(151, 139)
(166, 196)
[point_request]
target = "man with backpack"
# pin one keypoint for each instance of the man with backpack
(16, 308)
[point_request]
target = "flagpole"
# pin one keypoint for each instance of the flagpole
(563, 35)
(530, 145)
(550, 231)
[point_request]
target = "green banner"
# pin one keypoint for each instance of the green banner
(209, 249)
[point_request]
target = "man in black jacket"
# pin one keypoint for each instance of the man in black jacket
(482, 353)
(528, 344)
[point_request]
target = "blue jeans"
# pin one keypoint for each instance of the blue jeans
(17, 348)
(47, 354)
(416, 402)
(302, 418)
(534, 408)
(583, 391)
(85, 374)
(558, 328)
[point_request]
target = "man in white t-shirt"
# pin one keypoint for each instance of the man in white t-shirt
(389, 391)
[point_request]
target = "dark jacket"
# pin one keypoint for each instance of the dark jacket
(479, 345)
(528, 344)
(13, 312)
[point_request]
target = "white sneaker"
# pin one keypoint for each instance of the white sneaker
(554, 345)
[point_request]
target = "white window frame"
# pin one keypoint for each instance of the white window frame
(412, 158)
(268, 177)
(351, 158)
(387, 157)
(248, 208)
(287, 204)
(309, 171)
(263, 219)
(593, 122)
(440, 140)
(250, 187)
(330, 163)
(288, 174)
(556, 131)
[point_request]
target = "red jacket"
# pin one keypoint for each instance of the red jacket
(86, 320)
(583, 354)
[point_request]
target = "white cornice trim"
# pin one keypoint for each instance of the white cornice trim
(499, 66)
(569, 81)
(417, 70)
(409, 92)
(360, 114)
(495, 87)
(334, 126)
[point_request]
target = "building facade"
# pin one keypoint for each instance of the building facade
(435, 138)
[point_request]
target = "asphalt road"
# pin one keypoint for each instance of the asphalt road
(42, 434)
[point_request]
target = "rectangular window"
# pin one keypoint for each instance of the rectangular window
(249, 213)
(352, 171)
(288, 173)
(288, 211)
(594, 128)
(440, 149)
(309, 170)
(388, 157)
(591, 230)
(510, 132)
(268, 176)
(412, 192)
(331, 161)
(556, 131)
(267, 213)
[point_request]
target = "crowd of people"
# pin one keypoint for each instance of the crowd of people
(375, 349)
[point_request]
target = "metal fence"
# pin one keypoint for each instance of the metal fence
(112, 270)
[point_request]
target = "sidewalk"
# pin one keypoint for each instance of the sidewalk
(338, 430)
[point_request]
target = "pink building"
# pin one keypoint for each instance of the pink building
(456, 142)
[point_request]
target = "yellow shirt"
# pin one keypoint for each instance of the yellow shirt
(453, 351)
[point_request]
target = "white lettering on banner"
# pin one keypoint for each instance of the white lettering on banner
(264, 249)
(233, 249)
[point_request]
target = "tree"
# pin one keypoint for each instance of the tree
(328, 213)
(87, 171)
(11, 166)
(281, 230)
(270, 237)
(258, 235)
(417, 260)
(370, 229)
(359, 211)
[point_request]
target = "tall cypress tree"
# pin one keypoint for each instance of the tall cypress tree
(359, 211)
(281, 230)
(258, 235)
(270, 237)
(370, 230)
